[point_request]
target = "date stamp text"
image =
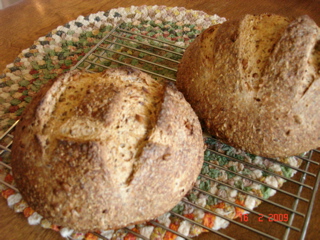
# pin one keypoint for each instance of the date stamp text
(269, 218)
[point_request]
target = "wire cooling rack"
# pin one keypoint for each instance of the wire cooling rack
(289, 211)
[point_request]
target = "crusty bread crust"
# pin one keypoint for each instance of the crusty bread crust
(255, 83)
(106, 150)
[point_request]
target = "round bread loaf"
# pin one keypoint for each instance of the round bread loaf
(106, 150)
(255, 83)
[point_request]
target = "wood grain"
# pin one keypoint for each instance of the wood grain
(28, 20)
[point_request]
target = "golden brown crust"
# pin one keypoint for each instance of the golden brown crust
(103, 151)
(253, 83)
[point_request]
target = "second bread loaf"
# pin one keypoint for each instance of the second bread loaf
(255, 83)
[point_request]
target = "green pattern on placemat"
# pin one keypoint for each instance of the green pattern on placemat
(62, 48)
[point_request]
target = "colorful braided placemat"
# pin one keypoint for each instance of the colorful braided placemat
(62, 48)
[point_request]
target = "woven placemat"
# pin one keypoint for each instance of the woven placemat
(62, 48)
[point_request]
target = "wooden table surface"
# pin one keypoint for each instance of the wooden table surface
(28, 20)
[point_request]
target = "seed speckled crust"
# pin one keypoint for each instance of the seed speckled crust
(255, 82)
(91, 146)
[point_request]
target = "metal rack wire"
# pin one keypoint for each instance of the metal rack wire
(160, 59)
